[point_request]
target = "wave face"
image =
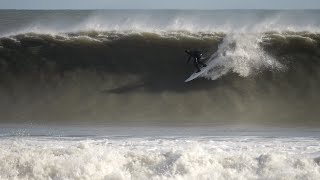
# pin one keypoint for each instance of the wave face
(128, 66)
(153, 158)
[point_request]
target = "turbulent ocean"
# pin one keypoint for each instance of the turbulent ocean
(101, 94)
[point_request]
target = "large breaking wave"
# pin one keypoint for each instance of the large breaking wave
(99, 70)
(131, 66)
(240, 53)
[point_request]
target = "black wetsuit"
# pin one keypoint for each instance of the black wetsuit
(196, 55)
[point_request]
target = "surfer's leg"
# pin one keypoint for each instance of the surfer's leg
(196, 64)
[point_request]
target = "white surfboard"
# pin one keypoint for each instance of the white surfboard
(195, 75)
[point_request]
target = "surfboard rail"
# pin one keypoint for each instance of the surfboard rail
(197, 74)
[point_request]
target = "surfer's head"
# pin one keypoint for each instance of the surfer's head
(187, 51)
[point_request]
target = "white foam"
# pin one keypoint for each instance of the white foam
(240, 53)
(159, 158)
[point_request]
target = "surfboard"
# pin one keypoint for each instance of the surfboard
(196, 75)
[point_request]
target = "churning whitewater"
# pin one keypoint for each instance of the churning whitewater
(163, 158)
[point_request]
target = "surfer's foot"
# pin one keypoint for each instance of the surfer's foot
(204, 65)
(198, 71)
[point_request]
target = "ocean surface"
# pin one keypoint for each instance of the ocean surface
(100, 94)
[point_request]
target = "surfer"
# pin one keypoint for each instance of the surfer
(196, 55)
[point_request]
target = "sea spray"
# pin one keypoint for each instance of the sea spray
(241, 54)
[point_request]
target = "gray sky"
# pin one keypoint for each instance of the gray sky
(159, 4)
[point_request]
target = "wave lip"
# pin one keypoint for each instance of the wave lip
(253, 21)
